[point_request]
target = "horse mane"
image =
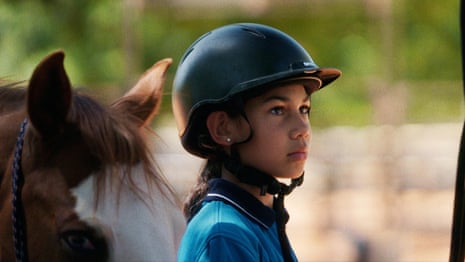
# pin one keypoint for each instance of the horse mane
(114, 138)
(10, 96)
(118, 142)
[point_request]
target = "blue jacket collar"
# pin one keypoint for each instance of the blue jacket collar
(222, 190)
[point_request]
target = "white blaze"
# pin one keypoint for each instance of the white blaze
(148, 230)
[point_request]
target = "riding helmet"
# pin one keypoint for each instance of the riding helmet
(229, 61)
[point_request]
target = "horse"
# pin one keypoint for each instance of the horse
(78, 178)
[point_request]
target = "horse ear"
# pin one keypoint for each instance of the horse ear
(49, 95)
(144, 99)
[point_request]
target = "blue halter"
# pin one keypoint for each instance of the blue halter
(19, 223)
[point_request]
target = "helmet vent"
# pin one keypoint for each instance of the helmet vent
(254, 32)
(186, 55)
(191, 48)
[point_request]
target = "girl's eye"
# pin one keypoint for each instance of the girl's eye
(278, 110)
(305, 110)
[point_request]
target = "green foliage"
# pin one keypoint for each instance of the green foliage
(110, 43)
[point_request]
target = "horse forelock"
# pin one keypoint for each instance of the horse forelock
(114, 138)
(119, 144)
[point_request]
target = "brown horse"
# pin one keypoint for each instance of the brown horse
(87, 185)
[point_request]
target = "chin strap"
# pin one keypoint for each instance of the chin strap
(255, 177)
(268, 184)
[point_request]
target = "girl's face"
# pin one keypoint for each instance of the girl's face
(279, 120)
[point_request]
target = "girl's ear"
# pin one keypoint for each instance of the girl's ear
(221, 128)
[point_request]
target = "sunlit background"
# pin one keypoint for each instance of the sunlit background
(379, 183)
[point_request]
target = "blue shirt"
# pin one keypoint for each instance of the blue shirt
(232, 225)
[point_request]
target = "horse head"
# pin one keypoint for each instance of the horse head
(91, 189)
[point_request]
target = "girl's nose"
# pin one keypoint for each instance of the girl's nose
(301, 128)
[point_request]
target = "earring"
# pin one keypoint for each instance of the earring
(228, 140)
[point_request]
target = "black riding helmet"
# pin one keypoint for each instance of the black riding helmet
(230, 61)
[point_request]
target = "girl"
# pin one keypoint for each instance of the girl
(241, 99)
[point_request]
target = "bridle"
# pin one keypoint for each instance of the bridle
(19, 221)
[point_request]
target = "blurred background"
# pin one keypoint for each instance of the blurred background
(380, 179)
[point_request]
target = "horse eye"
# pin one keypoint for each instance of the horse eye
(84, 244)
(77, 241)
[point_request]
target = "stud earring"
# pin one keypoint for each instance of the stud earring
(228, 140)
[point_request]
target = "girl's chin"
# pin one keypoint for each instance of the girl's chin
(291, 176)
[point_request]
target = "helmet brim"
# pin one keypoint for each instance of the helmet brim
(327, 75)
(313, 80)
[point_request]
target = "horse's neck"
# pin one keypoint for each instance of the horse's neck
(10, 121)
(11, 99)
(12, 112)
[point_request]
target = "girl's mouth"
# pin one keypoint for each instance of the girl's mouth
(298, 156)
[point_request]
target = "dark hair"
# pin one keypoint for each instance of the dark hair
(214, 164)
(192, 205)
